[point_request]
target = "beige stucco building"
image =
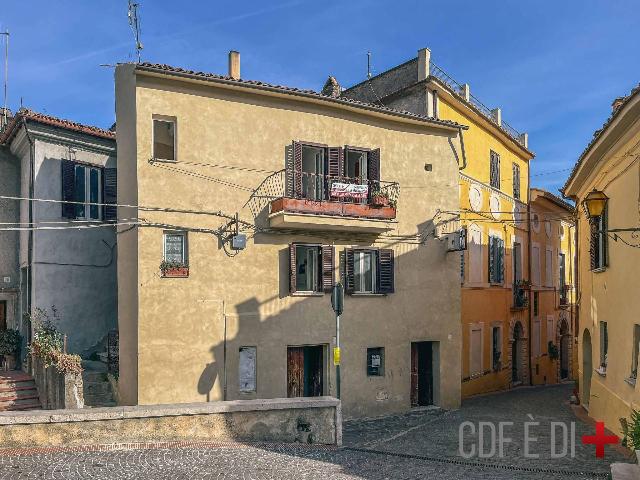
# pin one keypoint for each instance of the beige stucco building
(608, 265)
(325, 189)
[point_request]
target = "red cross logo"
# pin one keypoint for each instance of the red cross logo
(599, 439)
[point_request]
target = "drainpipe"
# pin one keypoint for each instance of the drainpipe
(530, 279)
(31, 239)
(464, 154)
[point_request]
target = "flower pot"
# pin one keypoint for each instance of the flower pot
(176, 272)
(379, 201)
(9, 362)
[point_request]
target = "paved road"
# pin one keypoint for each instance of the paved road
(418, 445)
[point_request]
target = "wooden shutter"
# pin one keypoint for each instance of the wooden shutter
(494, 176)
(327, 268)
(296, 174)
(500, 260)
(336, 162)
(295, 372)
(491, 258)
(292, 268)
(68, 188)
(604, 238)
(385, 271)
(349, 285)
(110, 188)
(593, 244)
(516, 181)
(373, 170)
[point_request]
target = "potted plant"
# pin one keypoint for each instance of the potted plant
(379, 199)
(9, 345)
(174, 269)
(553, 351)
(631, 432)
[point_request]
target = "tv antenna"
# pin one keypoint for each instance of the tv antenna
(368, 64)
(134, 23)
(5, 114)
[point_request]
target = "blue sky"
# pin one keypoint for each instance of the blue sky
(552, 66)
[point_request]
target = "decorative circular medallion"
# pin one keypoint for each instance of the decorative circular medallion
(494, 205)
(475, 198)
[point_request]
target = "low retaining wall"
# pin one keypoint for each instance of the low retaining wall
(56, 390)
(307, 420)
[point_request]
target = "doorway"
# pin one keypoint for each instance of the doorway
(421, 374)
(565, 339)
(517, 346)
(587, 368)
(305, 371)
(3, 315)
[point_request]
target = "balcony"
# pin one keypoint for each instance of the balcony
(564, 295)
(322, 202)
(520, 296)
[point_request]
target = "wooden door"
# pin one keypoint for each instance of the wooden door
(414, 374)
(3, 315)
(295, 371)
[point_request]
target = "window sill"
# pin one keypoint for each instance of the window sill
(358, 294)
(601, 372)
(598, 270)
(631, 381)
(307, 294)
(161, 160)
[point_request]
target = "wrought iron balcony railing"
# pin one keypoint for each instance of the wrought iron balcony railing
(520, 295)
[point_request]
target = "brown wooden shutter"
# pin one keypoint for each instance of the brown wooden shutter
(295, 372)
(604, 238)
(373, 165)
(336, 163)
(593, 244)
(349, 285)
(296, 175)
(327, 268)
(292, 268)
(385, 271)
(110, 189)
(68, 188)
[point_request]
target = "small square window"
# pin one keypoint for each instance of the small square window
(164, 139)
(175, 248)
(375, 362)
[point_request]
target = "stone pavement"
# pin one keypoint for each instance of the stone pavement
(421, 444)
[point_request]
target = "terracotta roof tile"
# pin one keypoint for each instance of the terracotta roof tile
(295, 91)
(30, 115)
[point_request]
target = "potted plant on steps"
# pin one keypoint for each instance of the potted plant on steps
(379, 199)
(174, 269)
(9, 344)
(631, 433)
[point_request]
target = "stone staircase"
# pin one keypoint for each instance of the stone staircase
(96, 387)
(18, 391)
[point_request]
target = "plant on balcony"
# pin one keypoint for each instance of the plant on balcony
(380, 199)
(631, 432)
(552, 348)
(523, 284)
(9, 344)
(174, 269)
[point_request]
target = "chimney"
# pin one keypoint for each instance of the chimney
(424, 57)
(496, 113)
(617, 103)
(524, 139)
(466, 92)
(234, 64)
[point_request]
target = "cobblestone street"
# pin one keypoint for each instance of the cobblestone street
(422, 444)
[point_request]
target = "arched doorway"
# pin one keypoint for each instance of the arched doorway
(565, 350)
(517, 353)
(587, 368)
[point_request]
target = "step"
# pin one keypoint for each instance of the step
(26, 406)
(94, 377)
(16, 398)
(96, 388)
(17, 388)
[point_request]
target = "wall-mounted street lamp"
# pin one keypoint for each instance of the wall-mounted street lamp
(594, 203)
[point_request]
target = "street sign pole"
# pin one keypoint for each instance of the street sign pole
(337, 303)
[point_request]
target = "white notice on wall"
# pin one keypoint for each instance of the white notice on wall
(247, 369)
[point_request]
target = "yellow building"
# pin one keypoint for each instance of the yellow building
(608, 265)
(212, 306)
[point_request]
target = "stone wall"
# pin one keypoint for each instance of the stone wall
(290, 420)
(57, 390)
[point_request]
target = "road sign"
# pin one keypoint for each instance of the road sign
(336, 356)
(337, 298)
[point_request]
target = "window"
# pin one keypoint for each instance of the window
(516, 181)
(517, 262)
(548, 268)
(599, 245)
(247, 369)
(475, 353)
(164, 139)
(604, 346)
(535, 340)
(550, 332)
(311, 268)
(636, 351)
(175, 248)
(494, 175)
(369, 271)
(496, 260)
(535, 265)
(562, 270)
(81, 187)
(375, 362)
(496, 348)
(536, 303)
